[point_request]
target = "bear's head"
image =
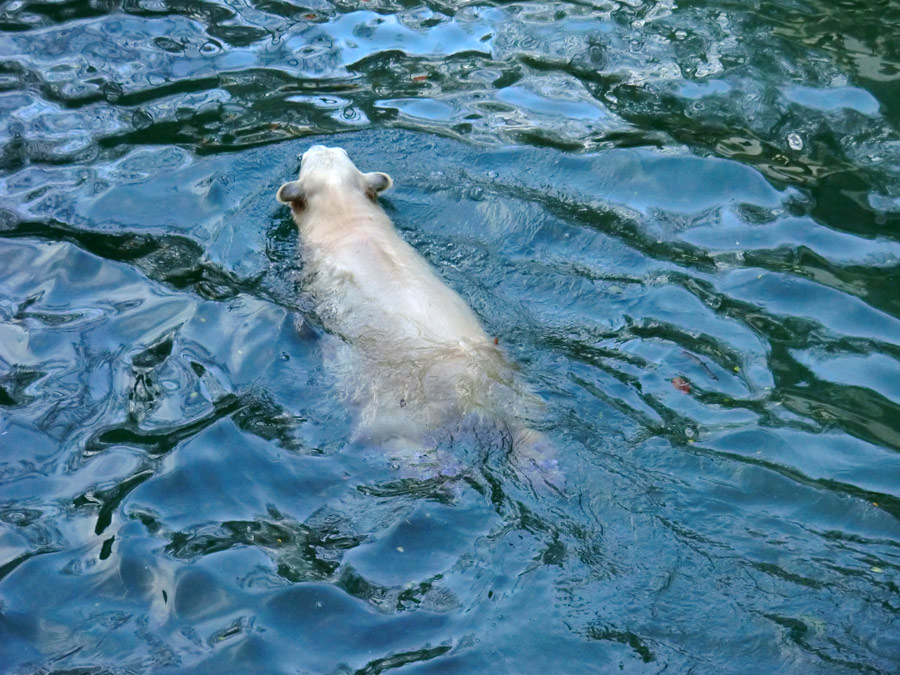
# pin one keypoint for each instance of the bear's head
(330, 173)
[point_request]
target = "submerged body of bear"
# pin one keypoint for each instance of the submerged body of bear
(419, 358)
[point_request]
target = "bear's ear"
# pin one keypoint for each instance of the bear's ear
(377, 182)
(290, 192)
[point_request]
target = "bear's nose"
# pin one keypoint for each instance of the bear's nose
(314, 150)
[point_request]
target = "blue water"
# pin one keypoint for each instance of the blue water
(681, 221)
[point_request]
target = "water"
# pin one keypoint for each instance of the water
(679, 219)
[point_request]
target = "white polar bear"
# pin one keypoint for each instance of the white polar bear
(420, 359)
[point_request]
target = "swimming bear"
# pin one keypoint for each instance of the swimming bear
(418, 359)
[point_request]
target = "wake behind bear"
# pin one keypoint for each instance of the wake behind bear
(417, 359)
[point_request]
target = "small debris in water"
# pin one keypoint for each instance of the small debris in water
(681, 384)
(794, 141)
(402, 402)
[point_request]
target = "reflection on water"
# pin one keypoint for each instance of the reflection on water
(679, 219)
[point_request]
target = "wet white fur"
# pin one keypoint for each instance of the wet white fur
(419, 357)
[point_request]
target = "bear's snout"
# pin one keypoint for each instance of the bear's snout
(323, 158)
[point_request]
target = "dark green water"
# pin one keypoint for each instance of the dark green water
(626, 192)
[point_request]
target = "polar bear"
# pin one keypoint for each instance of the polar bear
(419, 359)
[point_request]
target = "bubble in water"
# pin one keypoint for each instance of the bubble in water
(210, 47)
(794, 141)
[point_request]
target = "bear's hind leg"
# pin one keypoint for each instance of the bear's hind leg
(534, 457)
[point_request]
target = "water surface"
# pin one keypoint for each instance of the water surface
(682, 220)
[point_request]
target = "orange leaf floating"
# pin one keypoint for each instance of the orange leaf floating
(681, 384)
(419, 78)
(496, 341)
